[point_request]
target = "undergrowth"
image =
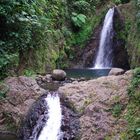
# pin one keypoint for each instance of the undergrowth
(133, 108)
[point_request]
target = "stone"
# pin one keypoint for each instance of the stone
(22, 88)
(48, 77)
(21, 94)
(116, 71)
(129, 73)
(94, 100)
(58, 75)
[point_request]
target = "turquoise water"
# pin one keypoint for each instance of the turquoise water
(86, 73)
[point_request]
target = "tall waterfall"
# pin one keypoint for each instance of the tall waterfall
(104, 56)
(51, 130)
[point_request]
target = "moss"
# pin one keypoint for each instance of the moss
(3, 90)
(9, 123)
(116, 110)
(133, 108)
(132, 41)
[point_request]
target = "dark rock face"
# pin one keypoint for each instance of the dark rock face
(70, 121)
(120, 53)
(90, 51)
(36, 119)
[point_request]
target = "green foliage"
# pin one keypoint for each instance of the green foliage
(116, 110)
(80, 38)
(32, 30)
(78, 19)
(120, 1)
(133, 109)
(22, 27)
(28, 72)
(137, 131)
(137, 3)
(82, 6)
(125, 1)
(95, 3)
(6, 60)
(134, 85)
(3, 90)
(117, 1)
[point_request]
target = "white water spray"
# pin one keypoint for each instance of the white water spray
(104, 55)
(51, 130)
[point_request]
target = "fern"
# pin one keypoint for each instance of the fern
(78, 19)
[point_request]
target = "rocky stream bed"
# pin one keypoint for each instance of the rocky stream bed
(92, 109)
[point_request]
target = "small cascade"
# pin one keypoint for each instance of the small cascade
(50, 119)
(104, 56)
(51, 130)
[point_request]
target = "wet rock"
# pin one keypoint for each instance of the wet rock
(91, 48)
(36, 119)
(121, 57)
(58, 75)
(95, 100)
(116, 71)
(70, 123)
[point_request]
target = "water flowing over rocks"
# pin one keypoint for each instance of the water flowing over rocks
(88, 107)
(105, 52)
(121, 58)
(35, 120)
(89, 53)
(96, 100)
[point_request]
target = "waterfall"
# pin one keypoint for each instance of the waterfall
(104, 56)
(51, 130)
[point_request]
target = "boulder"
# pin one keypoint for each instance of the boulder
(96, 100)
(116, 71)
(58, 75)
(21, 89)
(21, 94)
